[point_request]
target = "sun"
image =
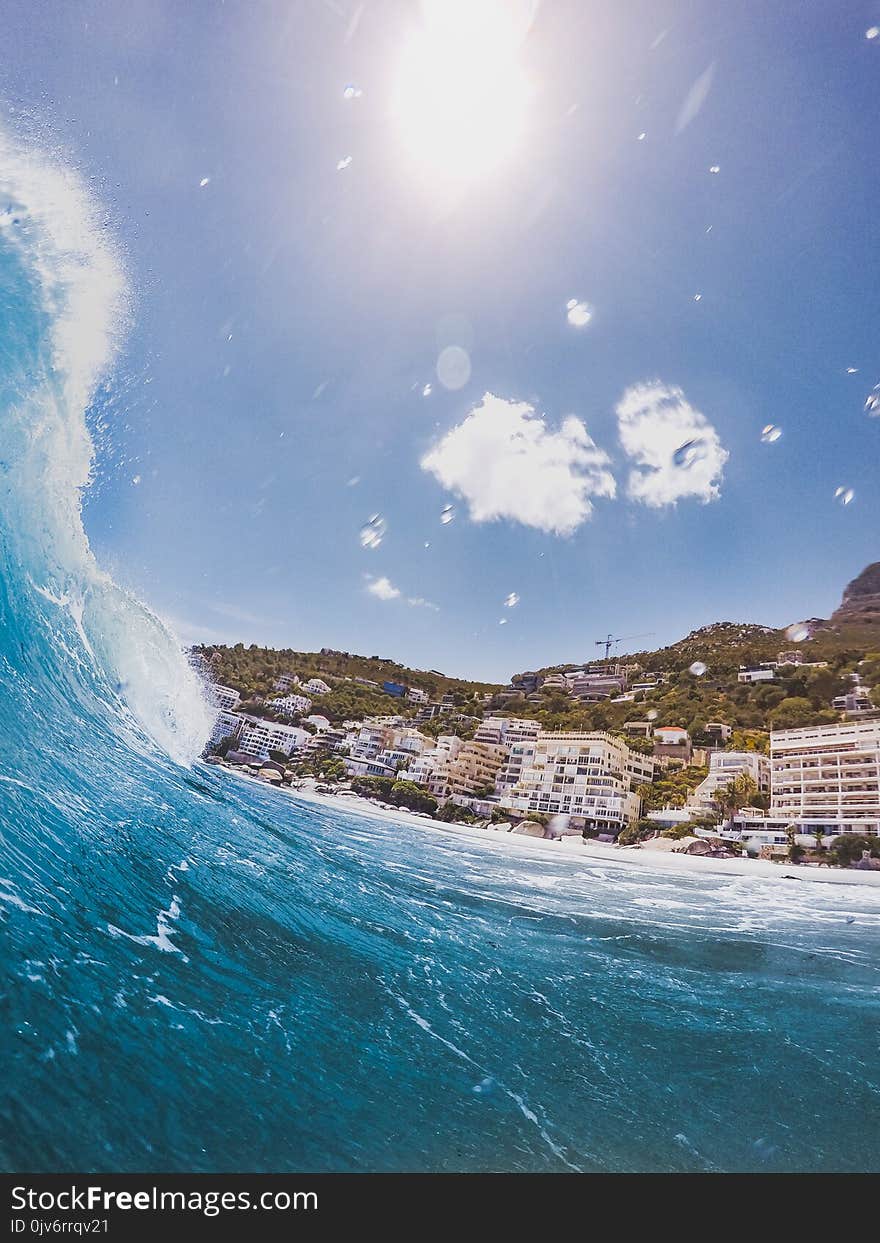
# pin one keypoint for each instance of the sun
(460, 96)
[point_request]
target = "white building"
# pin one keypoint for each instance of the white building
(225, 697)
(724, 768)
(423, 767)
(258, 737)
(591, 776)
(416, 696)
(315, 686)
(591, 687)
(756, 675)
(506, 730)
(226, 725)
(827, 775)
(291, 705)
(285, 682)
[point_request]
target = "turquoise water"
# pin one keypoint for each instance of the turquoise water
(202, 974)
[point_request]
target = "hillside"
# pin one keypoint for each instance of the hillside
(849, 642)
(252, 671)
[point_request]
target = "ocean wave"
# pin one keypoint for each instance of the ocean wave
(64, 310)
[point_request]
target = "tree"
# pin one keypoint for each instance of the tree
(732, 798)
(795, 852)
(849, 848)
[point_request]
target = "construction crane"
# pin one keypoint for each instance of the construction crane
(609, 641)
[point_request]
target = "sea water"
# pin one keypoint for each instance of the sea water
(202, 974)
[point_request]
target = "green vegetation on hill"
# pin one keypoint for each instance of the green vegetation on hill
(252, 671)
(797, 696)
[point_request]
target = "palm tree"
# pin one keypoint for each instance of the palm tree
(732, 798)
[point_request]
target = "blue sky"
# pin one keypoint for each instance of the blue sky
(287, 316)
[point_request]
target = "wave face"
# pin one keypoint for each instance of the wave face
(203, 974)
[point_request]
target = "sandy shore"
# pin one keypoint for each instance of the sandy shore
(575, 847)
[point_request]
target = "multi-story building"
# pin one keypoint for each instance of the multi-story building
(226, 725)
(591, 776)
(719, 731)
(258, 737)
(593, 686)
(291, 705)
(285, 682)
(423, 766)
(724, 768)
(827, 775)
(475, 766)
(224, 697)
(856, 702)
(506, 730)
(417, 696)
(315, 686)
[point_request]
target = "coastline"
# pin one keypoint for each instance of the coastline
(574, 847)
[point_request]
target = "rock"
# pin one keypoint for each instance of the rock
(861, 599)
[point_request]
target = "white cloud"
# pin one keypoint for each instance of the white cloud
(656, 423)
(383, 588)
(507, 463)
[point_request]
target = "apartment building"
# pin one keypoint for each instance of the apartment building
(258, 737)
(474, 766)
(591, 687)
(827, 775)
(421, 768)
(506, 730)
(591, 776)
(856, 702)
(285, 682)
(226, 725)
(316, 686)
(291, 705)
(225, 697)
(724, 768)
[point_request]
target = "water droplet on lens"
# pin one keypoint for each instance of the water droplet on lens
(204, 182)
(453, 367)
(873, 32)
(688, 453)
(843, 495)
(698, 668)
(798, 633)
(343, 163)
(447, 514)
(698, 297)
(714, 168)
(852, 370)
(503, 621)
(352, 92)
(135, 479)
(872, 402)
(373, 531)
(642, 137)
(427, 390)
(770, 434)
(579, 313)
(511, 601)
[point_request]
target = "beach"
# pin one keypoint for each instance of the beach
(575, 847)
